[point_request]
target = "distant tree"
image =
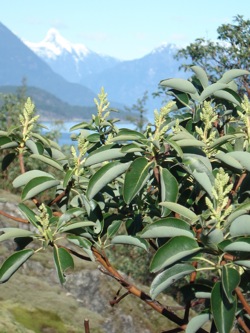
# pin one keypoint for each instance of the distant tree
(138, 108)
(231, 51)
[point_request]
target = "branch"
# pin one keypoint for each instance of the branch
(14, 218)
(243, 300)
(165, 311)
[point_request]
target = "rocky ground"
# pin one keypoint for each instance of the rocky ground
(34, 301)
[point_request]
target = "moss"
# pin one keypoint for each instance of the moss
(39, 320)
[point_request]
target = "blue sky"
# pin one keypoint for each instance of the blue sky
(123, 29)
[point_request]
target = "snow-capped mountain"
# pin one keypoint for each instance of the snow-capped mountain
(124, 81)
(75, 62)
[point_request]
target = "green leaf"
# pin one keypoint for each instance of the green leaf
(6, 142)
(94, 137)
(201, 75)
(128, 135)
(24, 178)
(169, 189)
(210, 90)
(168, 227)
(113, 228)
(83, 243)
(228, 96)
(223, 311)
(76, 225)
(181, 210)
(105, 175)
(48, 160)
(131, 148)
(13, 263)
(233, 74)
(220, 141)
(175, 146)
(130, 240)
(240, 226)
(230, 280)
(136, 177)
(35, 147)
(7, 160)
(68, 176)
(102, 154)
(243, 157)
(190, 143)
(245, 263)
(10, 233)
(174, 250)
(63, 261)
(241, 245)
(180, 85)
(168, 277)
(212, 238)
(229, 160)
(29, 214)
(197, 322)
(38, 185)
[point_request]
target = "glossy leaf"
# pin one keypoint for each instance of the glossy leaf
(168, 227)
(241, 245)
(83, 243)
(243, 157)
(197, 322)
(29, 214)
(9, 233)
(130, 240)
(210, 90)
(37, 186)
(223, 311)
(48, 161)
(173, 251)
(102, 154)
(169, 189)
(128, 135)
(135, 178)
(240, 226)
(76, 225)
(113, 228)
(35, 147)
(24, 178)
(201, 75)
(13, 263)
(230, 280)
(105, 175)
(180, 85)
(181, 210)
(233, 74)
(229, 160)
(168, 277)
(63, 261)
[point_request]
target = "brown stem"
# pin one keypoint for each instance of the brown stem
(165, 311)
(243, 324)
(21, 162)
(117, 300)
(14, 218)
(86, 326)
(58, 198)
(243, 300)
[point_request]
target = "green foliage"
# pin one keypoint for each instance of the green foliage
(229, 52)
(179, 189)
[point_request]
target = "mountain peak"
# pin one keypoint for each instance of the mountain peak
(54, 44)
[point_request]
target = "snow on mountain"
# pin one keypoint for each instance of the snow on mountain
(54, 45)
(75, 62)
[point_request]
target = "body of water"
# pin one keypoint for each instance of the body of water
(64, 129)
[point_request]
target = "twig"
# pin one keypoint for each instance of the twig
(86, 326)
(243, 300)
(243, 324)
(14, 218)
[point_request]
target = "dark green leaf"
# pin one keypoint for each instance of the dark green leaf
(223, 311)
(113, 228)
(130, 240)
(35, 147)
(84, 243)
(230, 280)
(169, 189)
(104, 175)
(168, 227)
(37, 186)
(29, 214)
(63, 261)
(13, 263)
(173, 251)
(168, 277)
(136, 177)
(7, 160)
